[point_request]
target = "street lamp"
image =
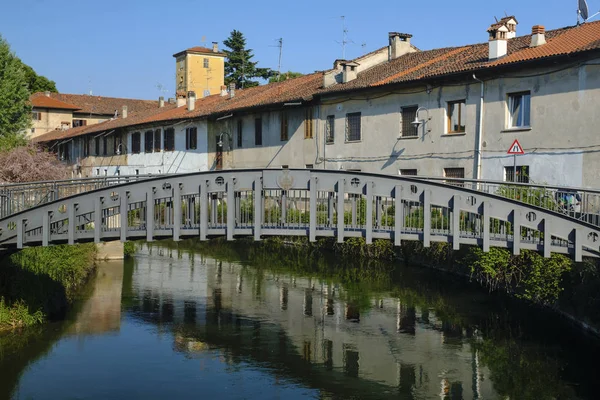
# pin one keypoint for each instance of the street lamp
(220, 142)
(118, 149)
(417, 122)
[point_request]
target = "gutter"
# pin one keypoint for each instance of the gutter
(479, 132)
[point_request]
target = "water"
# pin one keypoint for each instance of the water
(183, 324)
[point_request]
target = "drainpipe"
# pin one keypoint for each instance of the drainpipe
(479, 133)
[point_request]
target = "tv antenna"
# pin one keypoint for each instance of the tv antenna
(203, 41)
(583, 12)
(345, 40)
(280, 45)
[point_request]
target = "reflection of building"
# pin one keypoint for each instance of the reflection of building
(101, 312)
(295, 320)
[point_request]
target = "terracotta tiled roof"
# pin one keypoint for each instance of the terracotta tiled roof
(99, 105)
(49, 102)
(200, 50)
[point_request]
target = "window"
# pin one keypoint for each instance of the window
(191, 138)
(97, 146)
(135, 143)
(408, 172)
(456, 116)
(157, 140)
(308, 124)
(86, 146)
(352, 127)
(519, 108)
(64, 151)
(284, 126)
(36, 115)
(239, 133)
(169, 139)
(205, 63)
(258, 131)
(104, 145)
(148, 141)
(458, 173)
(79, 122)
(310, 166)
(408, 116)
(329, 129)
(522, 174)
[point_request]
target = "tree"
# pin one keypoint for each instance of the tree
(30, 163)
(15, 110)
(284, 76)
(37, 83)
(239, 67)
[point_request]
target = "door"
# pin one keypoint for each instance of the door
(219, 154)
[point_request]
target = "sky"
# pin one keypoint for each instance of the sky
(124, 48)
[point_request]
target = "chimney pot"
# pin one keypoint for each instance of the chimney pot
(124, 112)
(215, 47)
(161, 102)
(47, 93)
(171, 100)
(538, 36)
(399, 44)
(191, 101)
(223, 90)
(231, 90)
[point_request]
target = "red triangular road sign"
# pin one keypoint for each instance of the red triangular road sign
(515, 148)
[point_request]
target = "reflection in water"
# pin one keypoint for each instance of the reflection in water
(273, 333)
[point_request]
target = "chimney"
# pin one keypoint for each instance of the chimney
(349, 72)
(223, 91)
(538, 36)
(180, 100)
(498, 44)
(171, 100)
(231, 90)
(215, 47)
(191, 101)
(161, 102)
(124, 112)
(399, 44)
(47, 93)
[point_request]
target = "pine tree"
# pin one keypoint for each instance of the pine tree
(15, 110)
(239, 67)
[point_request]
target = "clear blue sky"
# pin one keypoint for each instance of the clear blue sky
(124, 48)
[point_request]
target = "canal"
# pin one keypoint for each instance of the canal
(194, 322)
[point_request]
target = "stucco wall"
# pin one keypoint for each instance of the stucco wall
(50, 120)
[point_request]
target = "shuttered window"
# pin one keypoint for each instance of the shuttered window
(258, 131)
(135, 143)
(284, 126)
(149, 141)
(330, 129)
(169, 139)
(157, 140)
(191, 138)
(308, 124)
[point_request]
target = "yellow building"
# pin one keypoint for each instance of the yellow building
(201, 70)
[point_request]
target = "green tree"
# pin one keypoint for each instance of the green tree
(37, 83)
(15, 110)
(239, 67)
(284, 76)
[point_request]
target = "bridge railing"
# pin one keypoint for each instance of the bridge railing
(582, 204)
(16, 197)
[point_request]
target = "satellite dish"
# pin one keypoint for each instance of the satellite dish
(583, 10)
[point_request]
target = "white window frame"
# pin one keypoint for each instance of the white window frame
(522, 112)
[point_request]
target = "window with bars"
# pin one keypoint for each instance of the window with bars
(240, 126)
(308, 123)
(353, 127)
(157, 140)
(284, 126)
(408, 172)
(148, 141)
(191, 138)
(456, 116)
(408, 116)
(258, 131)
(36, 115)
(205, 63)
(522, 174)
(519, 110)
(169, 139)
(136, 142)
(330, 129)
(454, 173)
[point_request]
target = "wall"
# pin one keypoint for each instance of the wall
(51, 120)
(199, 78)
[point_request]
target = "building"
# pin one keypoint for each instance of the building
(59, 111)
(469, 102)
(200, 70)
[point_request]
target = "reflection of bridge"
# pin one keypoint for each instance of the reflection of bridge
(306, 203)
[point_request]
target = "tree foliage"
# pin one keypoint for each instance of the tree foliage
(284, 76)
(15, 110)
(37, 83)
(239, 67)
(30, 163)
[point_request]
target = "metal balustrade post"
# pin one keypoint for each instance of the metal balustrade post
(45, 228)
(312, 229)
(283, 207)
(369, 213)
(340, 211)
(456, 199)
(203, 209)
(20, 227)
(398, 218)
(230, 208)
(150, 214)
(426, 218)
(516, 232)
(577, 240)
(330, 205)
(176, 201)
(97, 219)
(486, 226)
(547, 238)
(124, 215)
(71, 224)
(258, 208)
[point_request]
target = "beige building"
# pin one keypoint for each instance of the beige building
(200, 70)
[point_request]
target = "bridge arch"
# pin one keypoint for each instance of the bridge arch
(313, 203)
